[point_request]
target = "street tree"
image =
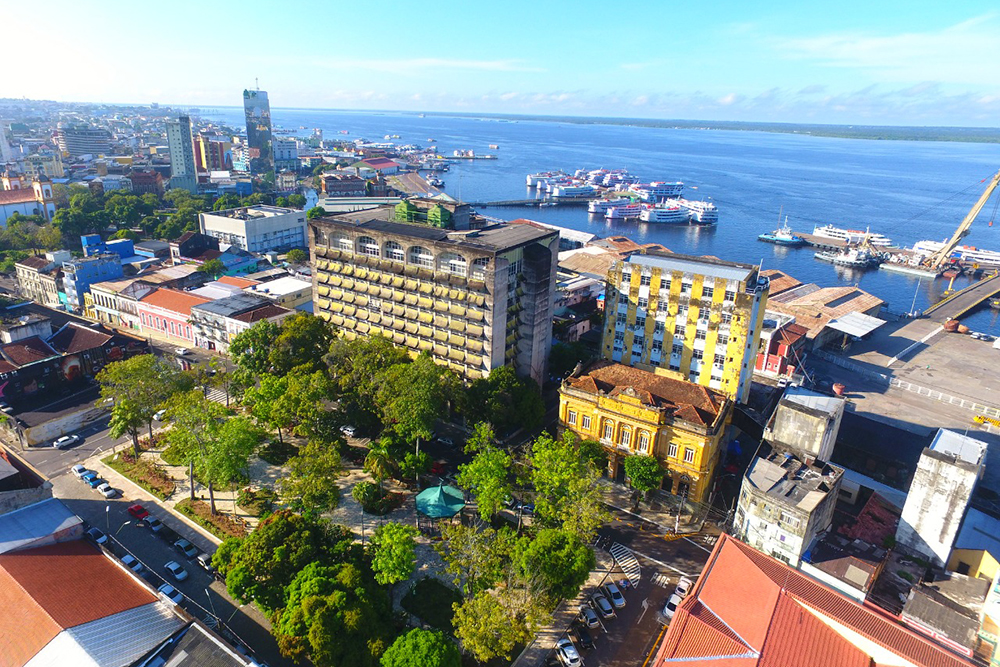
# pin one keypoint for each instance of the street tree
(301, 343)
(259, 567)
(477, 559)
(492, 623)
(644, 472)
(568, 491)
(356, 367)
(506, 401)
(335, 616)
(137, 387)
(412, 396)
(393, 552)
(559, 558)
(379, 462)
(312, 481)
(422, 648)
(297, 256)
(250, 350)
(488, 476)
(316, 212)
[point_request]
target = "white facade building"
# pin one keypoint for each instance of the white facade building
(257, 228)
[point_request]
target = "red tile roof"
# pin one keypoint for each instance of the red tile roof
(174, 300)
(380, 162)
(238, 282)
(685, 400)
(27, 351)
(73, 338)
(36, 262)
(750, 609)
(48, 589)
(22, 196)
(262, 313)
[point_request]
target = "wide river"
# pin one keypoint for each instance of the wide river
(907, 190)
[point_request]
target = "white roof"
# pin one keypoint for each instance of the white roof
(281, 286)
(963, 447)
(567, 233)
(113, 641)
(695, 265)
(855, 324)
(814, 400)
(27, 525)
(979, 531)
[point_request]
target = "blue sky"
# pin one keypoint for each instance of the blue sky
(874, 62)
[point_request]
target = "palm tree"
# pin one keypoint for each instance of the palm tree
(379, 463)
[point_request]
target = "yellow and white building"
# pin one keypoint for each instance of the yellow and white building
(474, 299)
(633, 411)
(694, 318)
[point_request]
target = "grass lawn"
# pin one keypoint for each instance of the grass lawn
(142, 472)
(431, 601)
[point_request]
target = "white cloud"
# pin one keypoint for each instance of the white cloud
(958, 54)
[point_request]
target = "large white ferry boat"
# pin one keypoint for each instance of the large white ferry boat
(532, 179)
(852, 236)
(657, 190)
(966, 253)
(670, 213)
(602, 205)
(622, 212)
(572, 190)
(702, 212)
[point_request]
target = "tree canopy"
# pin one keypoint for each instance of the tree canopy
(422, 648)
(412, 396)
(393, 552)
(560, 558)
(489, 475)
(644, 472)
(568, 492)
(312, 483)
(506, 401)
(137, 387)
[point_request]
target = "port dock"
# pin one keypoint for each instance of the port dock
(821, 242)
(529, 202)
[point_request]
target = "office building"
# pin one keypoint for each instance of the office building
(691, 318)
(182, 169)
(474, 299)
(212, 154)
(632, 411)
(260, 151)
(78, 139)
(257, 228)
(80, 273)
(286, 154)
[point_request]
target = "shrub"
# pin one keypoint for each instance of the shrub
(374, 500)
(171, 456)
(220, 525)
(277, 453)
(142, 472)
(256, 503)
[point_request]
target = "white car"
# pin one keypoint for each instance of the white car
(107, 491)
(159, 415)
(568, 655)
(670, 608)
(181, 351)
(613, 593)
(174, 568)
(683, 587)
(66, 441)
(130, 561)
(79, 470)
(349, 431)
(172, 593)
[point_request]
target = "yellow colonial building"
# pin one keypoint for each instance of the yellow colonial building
(633, 411)
(694, 318)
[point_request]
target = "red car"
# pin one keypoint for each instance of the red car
(138, 511)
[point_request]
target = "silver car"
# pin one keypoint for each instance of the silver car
(614, 594)
(601, 604)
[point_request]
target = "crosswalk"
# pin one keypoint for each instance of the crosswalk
(627, 562)
(217, 395)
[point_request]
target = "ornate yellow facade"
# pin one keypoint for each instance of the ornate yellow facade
(632, 411)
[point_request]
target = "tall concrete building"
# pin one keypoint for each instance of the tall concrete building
(257, 228)
(77, 139)
(474, 300)
(6, 154)
(182, 168)
(939, 494)
(690, 318)
(259, 141)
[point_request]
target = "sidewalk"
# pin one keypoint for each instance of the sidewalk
(534, 654)
(660, 511)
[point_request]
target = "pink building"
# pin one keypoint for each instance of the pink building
(167, 312)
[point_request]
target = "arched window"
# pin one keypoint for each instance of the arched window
(368, 246)
(341, 242)
(322, 238)
(626, 437)
(394, 251)
(453, 263)
(479, 268)
(608, 430)
(421, 256)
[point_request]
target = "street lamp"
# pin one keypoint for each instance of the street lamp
(122, 526)
(211, 604)
(234, 613)
(107, 516)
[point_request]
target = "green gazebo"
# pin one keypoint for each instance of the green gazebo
(440, 502)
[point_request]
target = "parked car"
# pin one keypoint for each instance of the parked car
(4, 407)
(172, 593)
(601, 604)
(97, 536)
(138, 511)
(79, 470)
(583, 636)
(87, 476)
(96, 482)
(107, 490)
(167, 534)
(132, 563)
(446, 441)
(349, 431)
(186, 548)
(175, 569)
(589, 617)
(683, 587)
(205, 562)
(670, 608)
(154, 524)
(66, 441)
(568, 655)
(159, 415)
(613, 593)
(181, 351)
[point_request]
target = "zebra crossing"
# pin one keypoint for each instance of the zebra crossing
(627, 562)
(217, 395)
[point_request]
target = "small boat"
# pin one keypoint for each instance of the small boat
(494, 147)
(855, 258)
(783, 235)
(546, 204)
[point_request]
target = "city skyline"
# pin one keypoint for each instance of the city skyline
(890, 64)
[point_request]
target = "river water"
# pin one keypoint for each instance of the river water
(907, 190)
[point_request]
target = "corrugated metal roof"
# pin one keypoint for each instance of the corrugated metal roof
(29, 524)
(856, 324)
(695, 265)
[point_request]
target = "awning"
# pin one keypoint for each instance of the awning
(856, 324)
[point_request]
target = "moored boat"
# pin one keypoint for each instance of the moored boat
(782, 236)
(669, 213)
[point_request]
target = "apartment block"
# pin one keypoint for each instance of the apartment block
(257, 228)
(474, 300)
(691, 318)
(632, 411)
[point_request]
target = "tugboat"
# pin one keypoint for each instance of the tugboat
(855, 258)
(783, 235)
